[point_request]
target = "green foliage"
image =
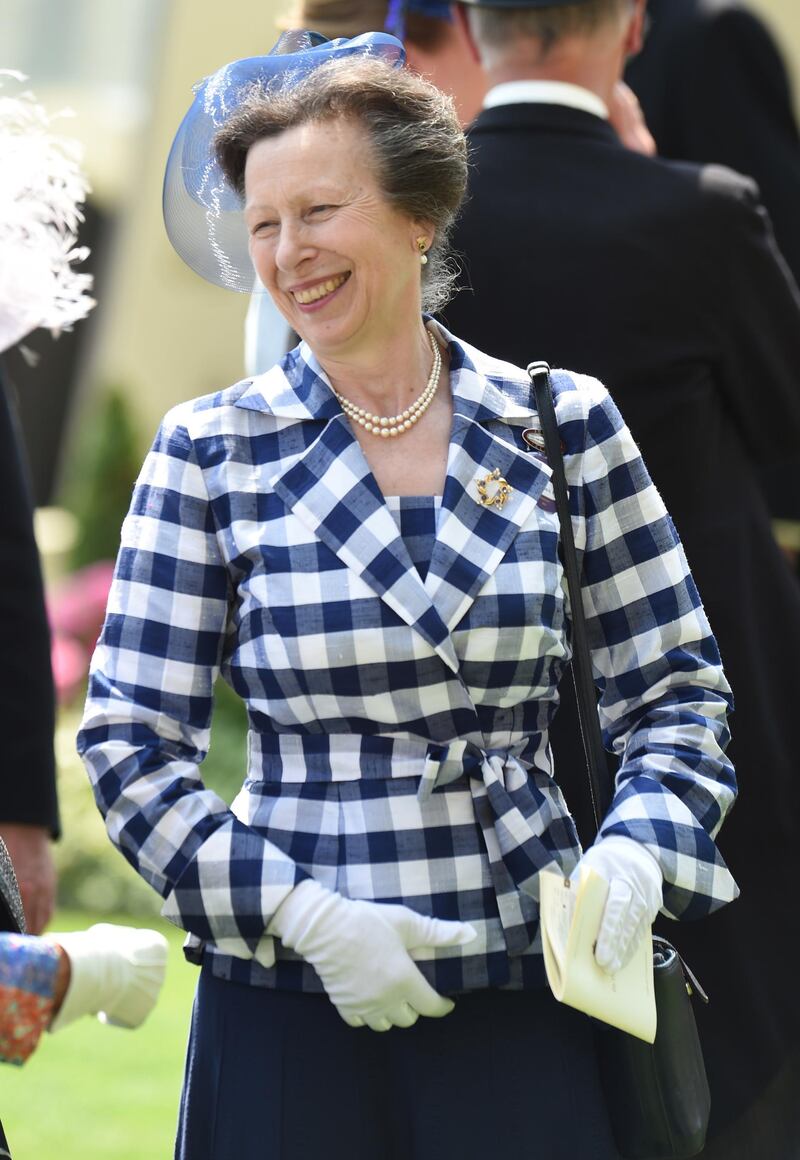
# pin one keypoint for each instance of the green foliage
(226, 765)
(93, 875)
(105, 468)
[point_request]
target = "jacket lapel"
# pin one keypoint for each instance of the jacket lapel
(473, 537)
(331, 489)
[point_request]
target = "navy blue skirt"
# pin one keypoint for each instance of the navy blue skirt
(277, 1075)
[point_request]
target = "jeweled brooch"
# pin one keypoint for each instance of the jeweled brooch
(493, 489)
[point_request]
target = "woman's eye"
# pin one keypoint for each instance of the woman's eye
(263, 227)
(321, 209)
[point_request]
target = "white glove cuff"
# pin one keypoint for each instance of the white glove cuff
(299, 910)
(609, 855)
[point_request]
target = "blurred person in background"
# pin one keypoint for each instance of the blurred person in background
(28, 806)
(434, 42)
(664, 280)
(713, 86)
(328, 539)
(49, 981)
(435, 48)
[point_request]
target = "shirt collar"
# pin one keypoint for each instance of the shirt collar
(533, 92)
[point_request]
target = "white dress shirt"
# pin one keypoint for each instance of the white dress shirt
(532, 92)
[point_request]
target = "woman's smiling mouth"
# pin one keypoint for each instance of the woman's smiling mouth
(321, 290)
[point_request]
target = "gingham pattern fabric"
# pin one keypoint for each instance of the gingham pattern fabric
(415, 516)
(398, 727)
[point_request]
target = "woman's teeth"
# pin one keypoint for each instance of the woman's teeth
(319, 291)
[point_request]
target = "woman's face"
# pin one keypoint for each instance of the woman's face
(340, 262)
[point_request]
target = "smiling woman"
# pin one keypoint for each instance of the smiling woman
(363, 544)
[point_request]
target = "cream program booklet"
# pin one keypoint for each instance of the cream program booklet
(570, 912)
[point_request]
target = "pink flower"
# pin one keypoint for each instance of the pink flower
(70, 661)
(77, 607)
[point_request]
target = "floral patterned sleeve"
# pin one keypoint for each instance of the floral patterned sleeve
(28, 972)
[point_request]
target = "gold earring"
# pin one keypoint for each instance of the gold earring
(423, 257)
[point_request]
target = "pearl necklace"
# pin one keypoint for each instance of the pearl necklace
(390, 426)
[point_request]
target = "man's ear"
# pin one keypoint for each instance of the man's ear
(634, 37)
(461, 17)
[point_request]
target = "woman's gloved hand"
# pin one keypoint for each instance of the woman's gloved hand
(634, 897)
(362, 952)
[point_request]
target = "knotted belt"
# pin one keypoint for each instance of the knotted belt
(524, 822)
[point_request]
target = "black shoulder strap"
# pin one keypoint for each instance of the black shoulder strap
(597, 769)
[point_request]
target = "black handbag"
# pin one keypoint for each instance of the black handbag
(657, 1094)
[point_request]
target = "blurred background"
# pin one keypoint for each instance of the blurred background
(90, 403)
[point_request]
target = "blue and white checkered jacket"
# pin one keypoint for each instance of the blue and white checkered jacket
(398, 728)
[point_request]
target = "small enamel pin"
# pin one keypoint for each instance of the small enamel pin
(534, 438)
(493, 489)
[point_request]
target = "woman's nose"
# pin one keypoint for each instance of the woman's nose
(293, 246)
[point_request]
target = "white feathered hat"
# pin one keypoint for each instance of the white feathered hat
(41, 189)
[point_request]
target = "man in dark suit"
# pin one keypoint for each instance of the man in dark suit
(663, 280)
(713, 86)
(28, 808)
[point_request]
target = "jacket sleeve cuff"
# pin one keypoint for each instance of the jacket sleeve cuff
(232, 887)
(696, 879)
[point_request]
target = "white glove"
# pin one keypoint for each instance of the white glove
(362, 954)
(116, 971)
(634, 897)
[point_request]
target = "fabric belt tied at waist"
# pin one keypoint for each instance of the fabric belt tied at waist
(524, 821)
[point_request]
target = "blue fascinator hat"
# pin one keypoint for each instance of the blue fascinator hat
(202, 213)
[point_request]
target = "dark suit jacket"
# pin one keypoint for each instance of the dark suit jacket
(27, 713)
(663, 281)
(713, 87)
